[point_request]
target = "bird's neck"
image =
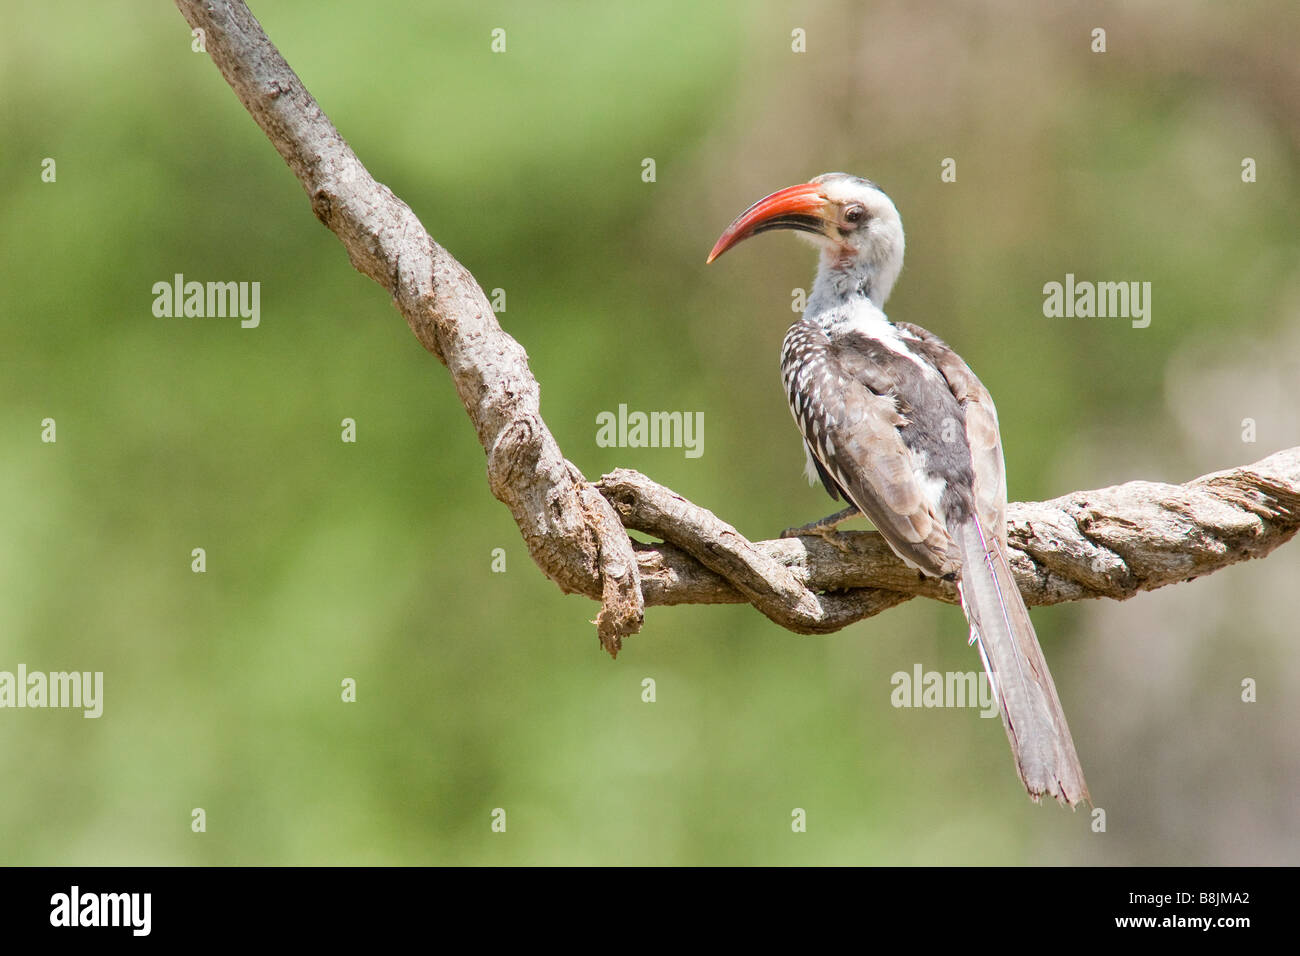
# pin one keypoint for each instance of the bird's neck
(849, 291)
(840, 280)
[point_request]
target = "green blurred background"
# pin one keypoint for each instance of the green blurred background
(479, 690)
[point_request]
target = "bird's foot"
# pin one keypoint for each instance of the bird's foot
(824, 529)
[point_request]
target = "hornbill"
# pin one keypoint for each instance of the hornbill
(896, 424)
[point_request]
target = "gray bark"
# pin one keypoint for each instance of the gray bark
(1113, 542)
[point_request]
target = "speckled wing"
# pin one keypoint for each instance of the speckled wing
(990, 488)
(841, 401)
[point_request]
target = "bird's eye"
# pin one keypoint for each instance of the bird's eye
(855, 214)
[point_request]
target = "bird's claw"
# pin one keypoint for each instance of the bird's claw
(824, 531)
(824, 528)
(799, 531)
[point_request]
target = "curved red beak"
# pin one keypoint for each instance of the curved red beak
(798, 207)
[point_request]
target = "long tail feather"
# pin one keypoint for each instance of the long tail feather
(1022, 684)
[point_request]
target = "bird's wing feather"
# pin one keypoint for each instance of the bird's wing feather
(990, 489)
(815, 471)
(855, 438)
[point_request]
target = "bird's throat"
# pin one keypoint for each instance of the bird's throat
(840, 280)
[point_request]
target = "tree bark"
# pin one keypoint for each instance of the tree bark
(1113, 542)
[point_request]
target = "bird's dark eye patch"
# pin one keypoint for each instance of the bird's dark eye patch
(855, 214)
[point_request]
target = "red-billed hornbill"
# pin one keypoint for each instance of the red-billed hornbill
(896, 424)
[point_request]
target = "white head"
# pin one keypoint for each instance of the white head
(854, 223)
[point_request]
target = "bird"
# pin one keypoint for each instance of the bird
(896, 424)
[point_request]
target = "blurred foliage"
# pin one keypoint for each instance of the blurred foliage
(479, 690)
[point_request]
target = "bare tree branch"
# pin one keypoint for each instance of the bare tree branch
(571, 532)
(1112, 542)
